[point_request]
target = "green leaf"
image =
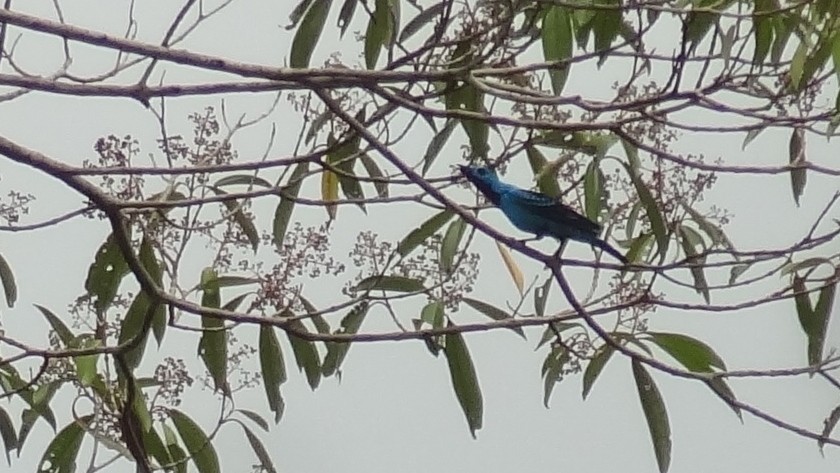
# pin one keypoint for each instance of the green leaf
(346, 14)
(696, 262)
(424, 231)
(702, 19)
(150, 263)
(179, 456)
(655, 414)
(243, 180)
(762, 30)
(557, 43)
(606, 25)
(60, 455)
(132, 326)
(828, 426)
(432, 314)
(422, 19)
(86, 364)
(546, 181)
(273, 369)
(329, 192)
(493, 312)
(477, 130)
(440, 139)
(797, 66)
(105, 274)
(7, 433)
(593, 188)
(695, 355)
(255, 418)
(835, 54)
(389, 283)
(297, 13)
(266, 464)
(156, 448)
(336, 352)
(64, 334)
(464, 380)
(374, 172)
(241, 219)
(541, 296)
(7, 278)
(213, 344)
(657, 223)
(308, 33)
(449, 246)
(201, 450)
(595, 366)
(306, 355)
(552, 371)
(798, 176)
(283, 213)
(819, 322)
(377, 33)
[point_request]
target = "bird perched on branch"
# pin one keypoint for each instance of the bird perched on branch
(537, 213)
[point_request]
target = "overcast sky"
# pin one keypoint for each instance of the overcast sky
(394, 409)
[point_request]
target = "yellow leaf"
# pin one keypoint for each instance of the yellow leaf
(329, 191)
(512, 267)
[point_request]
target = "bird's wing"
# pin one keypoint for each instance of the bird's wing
(554, 210)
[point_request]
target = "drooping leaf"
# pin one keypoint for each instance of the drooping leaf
(60, 455)
(266, 464)
(695, 355)
(389, 283)
(437, 143)
(595, 366)
(64, 334)
(7, 434)
(552, 371)
(657, 223)
(273, 369)
(306, 354)
(557, 43)
(179, 456)
(546, 181)
(380, 183)
(202, 452)
(346, 15)
(655, 414)
(424, 231)
(477, 130)
(378, 31)
(7, 278)
(493, 312)
(329, 192)
(696, 261)
(85, 364)
(213, 344)
(593, 189)
(821, 316)
(828, 426)
(449, 245)
(422, 19)
(105, 274)
(512, 267)
(541, 296)
(762, 30)
(464, 380)
(283, 213)
(336, 352)
(255, 418)
(243, 180)
(798, 176)
(242, 220)
(308, 33)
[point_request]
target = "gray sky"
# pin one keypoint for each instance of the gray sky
(394, 409)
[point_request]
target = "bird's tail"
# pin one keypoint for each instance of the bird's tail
(609, 249)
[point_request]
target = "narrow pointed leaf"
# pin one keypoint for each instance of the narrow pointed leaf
(243, 180)
(595, 366)
(557, 43)
(336, 352)
(464, 380)
(696, 262)
(449, 245)
(202, 452)
(546, 181)
(105, 274)
(437, 143)
(377, 33)
(64, 334)
(828, 426)
(8, 280)
(266, 465)
(593, 188)
(422, 19)
(346, 15)
(7, 434)
(329, 191)
(306, 355)
(821, 316)
(798, 176)
(657, 223)
(273, 369)
(241, 219)
(493, 312)
(655, 414)
(60, 456)
(283, 213)
(692, 353)
(374, 172)
(424, 231)
(213, 344)
(512, 267)
(255, 418)
(308, 33)
(390, 283)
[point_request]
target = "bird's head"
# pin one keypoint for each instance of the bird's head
(484, 179)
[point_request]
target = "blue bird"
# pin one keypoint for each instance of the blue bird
(537, 213)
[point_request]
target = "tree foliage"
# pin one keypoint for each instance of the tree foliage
(516, 84)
